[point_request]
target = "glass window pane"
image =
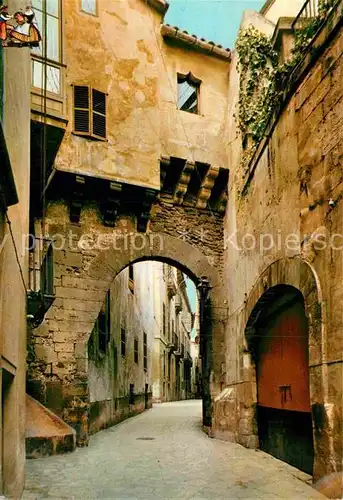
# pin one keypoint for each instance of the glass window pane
(53, 80)
(52, 77)
(37, 74)
(187, 97)
(52, 7)
(89, 6)
(38, 20)
(53, 48)
(37, 4)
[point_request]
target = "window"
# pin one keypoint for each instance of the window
(188, 93)
(104, 325)
(89, 6)
(131, 279)
(89, 112)
(136, 355)
(123, 343)
(100, 336)
(145, 351)
(48, 19)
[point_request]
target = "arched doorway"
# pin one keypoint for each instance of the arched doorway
(278, 339)
(86, 273)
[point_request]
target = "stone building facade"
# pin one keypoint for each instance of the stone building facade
(123, 159)
(14, 228)
(141, 127)
(283, 263)
(172, 357)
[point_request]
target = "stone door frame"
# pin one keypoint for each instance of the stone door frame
(299, 274)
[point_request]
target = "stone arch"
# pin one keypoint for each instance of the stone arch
(299, 275)
(135, 247)
(107, 262)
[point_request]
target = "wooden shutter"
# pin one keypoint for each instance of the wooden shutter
(82, 110)
(98, 114)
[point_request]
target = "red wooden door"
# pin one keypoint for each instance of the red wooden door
(282, 367)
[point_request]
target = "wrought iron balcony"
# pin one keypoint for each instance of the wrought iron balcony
(40, 295)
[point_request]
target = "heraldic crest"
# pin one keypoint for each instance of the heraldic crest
(19, 29)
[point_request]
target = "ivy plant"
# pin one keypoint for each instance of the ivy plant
(262, 77)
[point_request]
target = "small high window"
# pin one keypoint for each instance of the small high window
(100, 336)
(89, 112)
(136, 355)
(104, 324)
(89, 6)
(164, 320)
(188, 93)
(123, 343)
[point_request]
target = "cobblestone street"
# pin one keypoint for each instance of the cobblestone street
(163, 453)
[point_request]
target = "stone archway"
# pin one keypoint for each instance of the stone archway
(86, 273)
(300, 275)
(137, 247)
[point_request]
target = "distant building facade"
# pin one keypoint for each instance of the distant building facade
(14, 229)
(120, 349)
(172, 355)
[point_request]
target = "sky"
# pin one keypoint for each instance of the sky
(215, 20)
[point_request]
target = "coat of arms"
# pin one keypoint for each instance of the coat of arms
(19, 29)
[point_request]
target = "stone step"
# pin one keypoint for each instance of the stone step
(46, 434)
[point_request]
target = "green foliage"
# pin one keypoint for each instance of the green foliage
(262, 78)
(257, 63)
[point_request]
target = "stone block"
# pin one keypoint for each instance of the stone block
(45, 353)
(77, 293)
(308, 86)
(64, 347)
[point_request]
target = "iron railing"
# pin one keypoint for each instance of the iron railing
(40, 294)
(41, 270)
(309, 11)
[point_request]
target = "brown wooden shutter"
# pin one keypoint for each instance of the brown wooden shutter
(82, 109)
(99, 113)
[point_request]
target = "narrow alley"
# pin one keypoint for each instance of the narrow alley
(163, 453)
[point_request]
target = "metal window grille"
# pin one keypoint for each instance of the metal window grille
(123, 343)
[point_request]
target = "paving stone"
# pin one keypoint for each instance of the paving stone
(180, 463)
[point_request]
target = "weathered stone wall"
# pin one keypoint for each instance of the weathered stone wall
(85, 267)
(291, 194)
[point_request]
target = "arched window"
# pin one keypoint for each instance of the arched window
(188, 93)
